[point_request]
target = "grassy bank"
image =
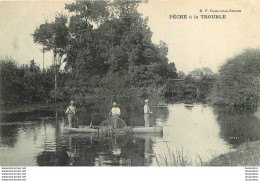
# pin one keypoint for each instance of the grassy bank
(28, 107)
(248, 154)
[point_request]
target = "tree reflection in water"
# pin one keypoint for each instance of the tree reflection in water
(82, 150)
(39, 138)
(238, 125)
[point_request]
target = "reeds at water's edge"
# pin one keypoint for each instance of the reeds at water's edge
(174, 159)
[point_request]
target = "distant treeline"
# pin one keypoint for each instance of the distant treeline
(191, 88)
(28, 84)
(237, 83)
(25, 84)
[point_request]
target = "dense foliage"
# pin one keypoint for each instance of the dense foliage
(238, 82)
(109, 55)
(108, 50)
(25, 84)
(195, 87)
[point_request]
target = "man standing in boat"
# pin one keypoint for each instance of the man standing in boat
(147, 114)
(71, 111)
(115, 113)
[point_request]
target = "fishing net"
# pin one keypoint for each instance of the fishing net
(113, 127)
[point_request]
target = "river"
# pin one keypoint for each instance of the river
(192, 136)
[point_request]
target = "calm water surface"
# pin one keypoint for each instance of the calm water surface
(199, 133)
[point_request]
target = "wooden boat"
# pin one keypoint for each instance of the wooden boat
(153, 136)
(142, 129)
(189, 106)
(162, 105)
(136, 129)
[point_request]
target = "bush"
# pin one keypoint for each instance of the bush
(238, 82)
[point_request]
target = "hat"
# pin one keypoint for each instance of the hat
(114, 103)
(146, 101)
(72, 102)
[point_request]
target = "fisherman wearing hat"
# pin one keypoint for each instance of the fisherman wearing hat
(115, 113)
(147, 113)
(71, 111)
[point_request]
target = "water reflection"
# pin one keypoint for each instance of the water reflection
(79, 150)
(202, 132)
(238, 126)
(8, 134)
(193, 131)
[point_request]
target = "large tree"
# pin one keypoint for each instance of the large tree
(53, 36)
(107, 41)
(238, 82)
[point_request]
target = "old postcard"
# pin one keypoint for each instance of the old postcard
(130, 83)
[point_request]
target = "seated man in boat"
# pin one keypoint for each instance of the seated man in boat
(147, 114)
(71, 111)
(115, 113)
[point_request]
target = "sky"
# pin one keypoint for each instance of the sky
(192, 43)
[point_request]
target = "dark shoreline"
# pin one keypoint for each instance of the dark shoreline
(29, 107)
(247, 154)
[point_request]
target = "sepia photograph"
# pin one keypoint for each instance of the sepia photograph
(130, 83)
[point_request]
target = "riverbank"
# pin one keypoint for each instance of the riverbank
(248, 154)
(28, 107)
